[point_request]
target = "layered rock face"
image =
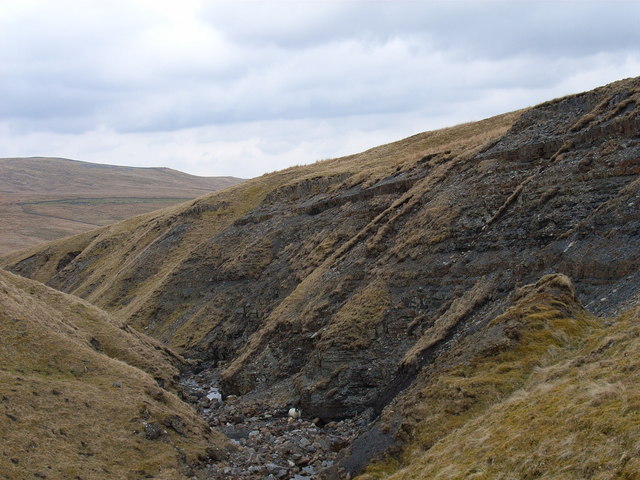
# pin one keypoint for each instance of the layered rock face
(333, 286)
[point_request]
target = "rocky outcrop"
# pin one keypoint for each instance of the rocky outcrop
(333, 286)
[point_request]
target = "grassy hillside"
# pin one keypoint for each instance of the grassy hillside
(42, 199)
(126, 265)
(169, 237)
(549, 392)
(80, 394)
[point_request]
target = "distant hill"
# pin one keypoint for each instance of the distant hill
(42, 199)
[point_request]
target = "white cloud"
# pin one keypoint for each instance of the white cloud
(240, 88)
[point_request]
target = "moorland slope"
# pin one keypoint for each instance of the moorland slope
(42, 199)
(84, 396)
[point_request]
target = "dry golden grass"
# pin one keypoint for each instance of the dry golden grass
(79, 392)
(140, 271)
(353, 327)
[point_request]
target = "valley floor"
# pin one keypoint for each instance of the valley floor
(269, 444)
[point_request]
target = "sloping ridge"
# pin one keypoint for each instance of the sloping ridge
(84, 396)
(337, 285)
(43, 175)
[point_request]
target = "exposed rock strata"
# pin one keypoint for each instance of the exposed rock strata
(332, 286)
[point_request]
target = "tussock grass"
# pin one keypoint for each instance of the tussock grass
(353, 327)
(79, 393)
(560, 401)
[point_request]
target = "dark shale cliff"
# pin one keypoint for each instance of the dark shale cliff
(333, 286)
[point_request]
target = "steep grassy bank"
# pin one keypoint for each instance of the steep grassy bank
(81, 395)
(547, 391)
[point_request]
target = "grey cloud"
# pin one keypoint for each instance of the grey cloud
(75, 66)
(492, 29)
(552, 29)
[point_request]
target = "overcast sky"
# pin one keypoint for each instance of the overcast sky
(246, 87)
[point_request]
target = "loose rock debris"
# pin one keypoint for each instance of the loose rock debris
(270, 444)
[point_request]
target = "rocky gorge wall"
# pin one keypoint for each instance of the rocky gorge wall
(333, 286)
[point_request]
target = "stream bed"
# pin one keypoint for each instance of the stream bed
(269, 444)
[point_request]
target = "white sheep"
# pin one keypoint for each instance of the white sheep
(294, 413)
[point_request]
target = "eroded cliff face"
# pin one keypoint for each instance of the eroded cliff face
(334, 285)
